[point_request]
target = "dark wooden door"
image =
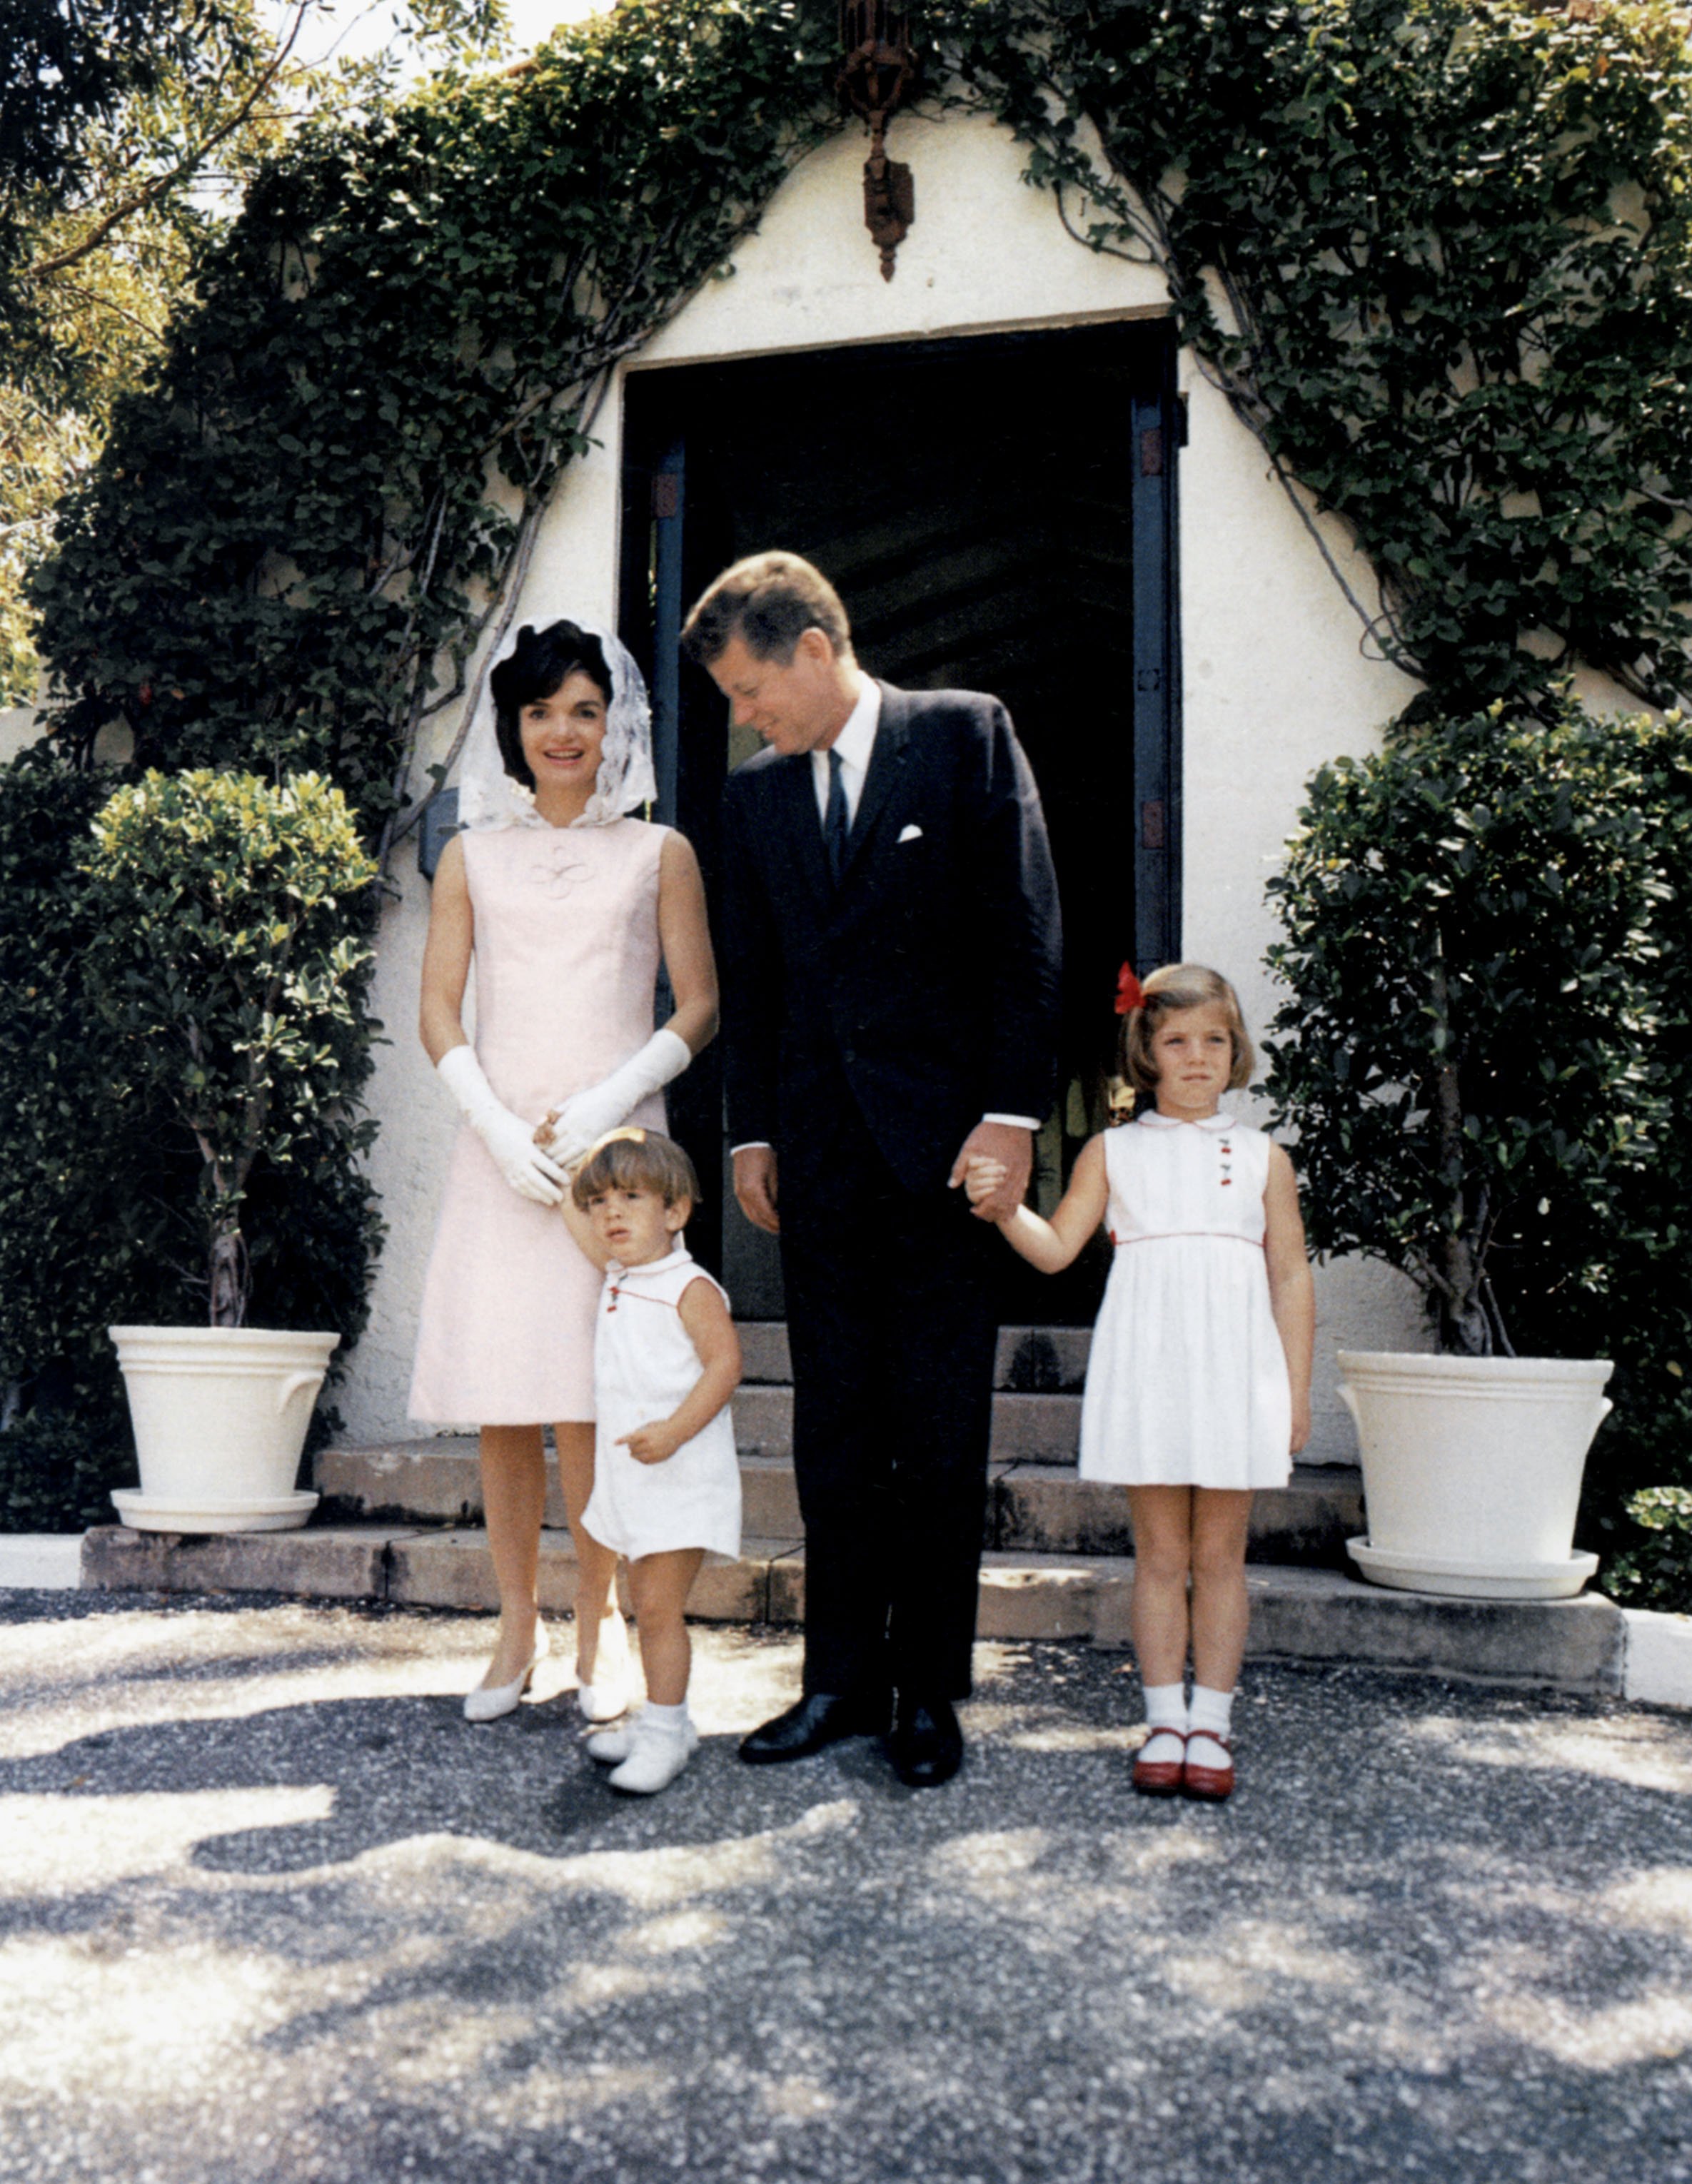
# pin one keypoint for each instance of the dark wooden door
(998, 514)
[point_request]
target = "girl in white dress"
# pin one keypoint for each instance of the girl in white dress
(1198, 1382)
(667, 1481)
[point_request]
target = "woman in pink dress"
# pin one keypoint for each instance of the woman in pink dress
(567, 903)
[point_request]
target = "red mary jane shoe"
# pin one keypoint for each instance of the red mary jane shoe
(1210, 1785)
(1160, 1778)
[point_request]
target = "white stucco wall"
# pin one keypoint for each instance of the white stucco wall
(1274, 680)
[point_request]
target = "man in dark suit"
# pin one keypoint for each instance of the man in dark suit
(890, 1003)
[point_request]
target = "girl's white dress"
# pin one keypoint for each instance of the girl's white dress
(644, 1363)
(1187, 1379)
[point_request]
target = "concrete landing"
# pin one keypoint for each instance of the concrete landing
(1297, 1614)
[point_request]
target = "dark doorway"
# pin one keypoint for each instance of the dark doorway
(997, 512)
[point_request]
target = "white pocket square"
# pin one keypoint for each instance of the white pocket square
(911, 835)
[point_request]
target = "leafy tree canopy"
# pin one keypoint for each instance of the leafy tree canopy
(128, 129)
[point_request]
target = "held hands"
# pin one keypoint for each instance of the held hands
(1009, 1149)
(1301, 1424)
(652, 1444)
(509, 1142)
(983, 1179)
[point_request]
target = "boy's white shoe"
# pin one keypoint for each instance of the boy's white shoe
(656, 1755)
(611, 1747)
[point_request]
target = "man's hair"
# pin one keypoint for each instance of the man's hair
(541, 661)
(629, 1159)
(768, 601)
(1176, 987)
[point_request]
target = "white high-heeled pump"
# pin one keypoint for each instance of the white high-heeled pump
(490, 1703)
(608, 1696)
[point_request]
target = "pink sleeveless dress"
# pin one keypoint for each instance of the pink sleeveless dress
(566, 958)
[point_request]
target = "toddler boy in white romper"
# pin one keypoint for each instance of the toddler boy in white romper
(666, 1480)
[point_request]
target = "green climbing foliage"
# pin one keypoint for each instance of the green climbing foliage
(1438, 254)
(294, 542)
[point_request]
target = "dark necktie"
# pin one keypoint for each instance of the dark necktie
(834, 825)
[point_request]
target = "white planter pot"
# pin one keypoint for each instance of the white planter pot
(1472, 1470)
(220, 1416)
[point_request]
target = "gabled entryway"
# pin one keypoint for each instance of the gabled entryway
(998, 514)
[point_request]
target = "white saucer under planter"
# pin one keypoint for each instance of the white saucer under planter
(1473, 1581)
(1472, 1470)
(220, 1416)
(151, 1513)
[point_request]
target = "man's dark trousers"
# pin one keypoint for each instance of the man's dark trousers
(891, 1318)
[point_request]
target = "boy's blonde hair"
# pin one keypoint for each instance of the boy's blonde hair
(631, 1159)
(1174, 987)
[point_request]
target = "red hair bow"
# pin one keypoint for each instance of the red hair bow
(1129, 993)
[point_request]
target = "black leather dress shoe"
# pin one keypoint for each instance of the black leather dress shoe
(820, 1718)
(927, 1745)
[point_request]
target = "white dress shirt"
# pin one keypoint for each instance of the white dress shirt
(856, 743)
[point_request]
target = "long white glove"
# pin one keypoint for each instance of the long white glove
(530, 1173)
(583, 1118)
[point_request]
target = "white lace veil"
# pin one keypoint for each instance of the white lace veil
(488, 796)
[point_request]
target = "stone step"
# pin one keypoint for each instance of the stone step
(1299, 1614)
(1045, 1508)
(1039, 1506)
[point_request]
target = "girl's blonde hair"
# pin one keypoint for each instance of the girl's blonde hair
(1179, 986)
(633, 1159)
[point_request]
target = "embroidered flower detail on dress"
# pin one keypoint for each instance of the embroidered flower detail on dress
(1227, 1151)
(559, 868)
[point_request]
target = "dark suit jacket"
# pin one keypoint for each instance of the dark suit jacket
(924, 989)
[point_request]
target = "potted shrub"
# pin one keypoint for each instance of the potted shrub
(1468, 1056)
(229, 969)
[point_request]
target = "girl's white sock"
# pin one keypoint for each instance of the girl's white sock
(1165, 1712)
(672, 1719)
(1211, 1716)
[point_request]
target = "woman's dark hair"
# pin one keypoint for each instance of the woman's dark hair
(544, 659)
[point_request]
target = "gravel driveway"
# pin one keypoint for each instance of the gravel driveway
(273, 1912)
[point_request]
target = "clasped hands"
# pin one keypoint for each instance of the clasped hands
(993, 1165)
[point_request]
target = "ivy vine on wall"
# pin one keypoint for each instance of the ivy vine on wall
(1437, 253)
(297, 538)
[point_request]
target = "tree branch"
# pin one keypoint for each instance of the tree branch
(140, 199)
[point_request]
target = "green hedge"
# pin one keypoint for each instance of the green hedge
(1487, 1051)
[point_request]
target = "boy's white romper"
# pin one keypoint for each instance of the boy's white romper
(644, 1364)
(1187, 1379)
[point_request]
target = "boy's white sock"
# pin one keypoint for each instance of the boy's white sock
(1166, 1715)
(1211, 1717)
